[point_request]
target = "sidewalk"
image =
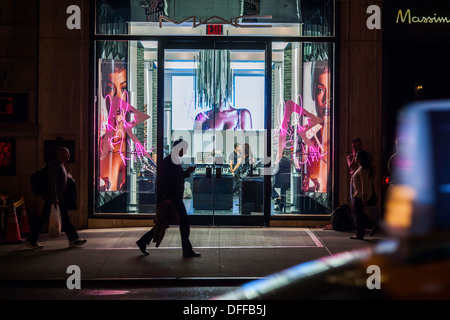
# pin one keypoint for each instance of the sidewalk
(229, 255)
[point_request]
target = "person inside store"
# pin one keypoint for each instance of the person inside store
(56, 195)
(362, 191)
(224, 117)
(235, 162)
(173, 177)
(282, 181)
(247, 161)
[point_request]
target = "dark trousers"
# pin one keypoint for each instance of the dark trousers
(185, 229)
(236, 184)
(67, 226)
(282, 195)
(361, 219)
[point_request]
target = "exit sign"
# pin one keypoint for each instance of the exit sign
(214, 29)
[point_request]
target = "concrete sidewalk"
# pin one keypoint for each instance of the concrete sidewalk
(229, 255)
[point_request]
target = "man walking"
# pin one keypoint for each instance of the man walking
(173, 188)
(54, 195)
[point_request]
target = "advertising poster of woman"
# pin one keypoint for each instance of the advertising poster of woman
(112, 165)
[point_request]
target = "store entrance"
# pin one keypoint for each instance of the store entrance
(215, 99)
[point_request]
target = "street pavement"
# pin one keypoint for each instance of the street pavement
(111, 267)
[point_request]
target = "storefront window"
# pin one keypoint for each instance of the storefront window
(312, 18)
(301, 125)
(125, 162)
(215, 93)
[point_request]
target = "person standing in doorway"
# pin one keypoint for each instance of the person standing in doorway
(173, 177)
(54, 196)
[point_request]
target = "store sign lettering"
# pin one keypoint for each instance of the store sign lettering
(234, 22)
(409, 18)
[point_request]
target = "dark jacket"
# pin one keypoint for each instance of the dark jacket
(172, 179)
(57, 183)
(283, 175)
(70, 196)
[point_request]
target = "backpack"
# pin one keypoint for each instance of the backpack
(39, 181)
(341, 218)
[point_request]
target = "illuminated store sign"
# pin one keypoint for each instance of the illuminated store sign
(414, 20)
(214, 29)
(234, 22)
(409, 18)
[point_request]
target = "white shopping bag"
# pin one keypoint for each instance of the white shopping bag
(54, 222)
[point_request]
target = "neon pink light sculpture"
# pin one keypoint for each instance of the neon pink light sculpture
(312, 150)
(118, 126)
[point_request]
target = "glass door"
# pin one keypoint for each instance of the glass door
(215, 100)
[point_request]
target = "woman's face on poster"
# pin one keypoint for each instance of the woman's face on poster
(321, 95)
(116, 84)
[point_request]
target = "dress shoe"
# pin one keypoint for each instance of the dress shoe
(374, 229)
(191, 254)
(357, 237)
(142, 247)
(33, 245)
(77, 243)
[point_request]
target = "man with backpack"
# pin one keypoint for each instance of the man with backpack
(54, 195)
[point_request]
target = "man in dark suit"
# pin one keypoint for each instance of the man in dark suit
(173, 188)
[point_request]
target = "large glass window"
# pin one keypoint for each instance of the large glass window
(125, 160)
(126, 97)
(301, 125)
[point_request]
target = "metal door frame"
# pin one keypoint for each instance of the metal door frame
(220, 43)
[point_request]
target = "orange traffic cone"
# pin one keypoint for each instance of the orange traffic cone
(12, 229)
(23, 220)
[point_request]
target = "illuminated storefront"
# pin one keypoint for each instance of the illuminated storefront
(258, 74)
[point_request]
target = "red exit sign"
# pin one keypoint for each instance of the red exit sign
(214, 29)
